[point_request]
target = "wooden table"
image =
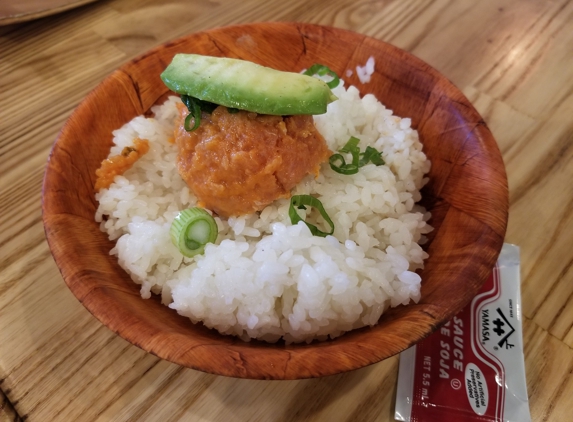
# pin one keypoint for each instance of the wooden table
(512, 58)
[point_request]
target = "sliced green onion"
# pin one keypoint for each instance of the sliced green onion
(352, 148)
(195, 107)
(299, 202)
(371, 155)
(359, 159)
(351, 145)
(187, 124)
(194, 112)
(321, 70)
(338, 164)
(205, 106)
(192, 229)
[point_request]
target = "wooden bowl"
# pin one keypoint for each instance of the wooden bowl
(467, 196)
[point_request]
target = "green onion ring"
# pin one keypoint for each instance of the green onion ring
(299, 201)
(192, 229)
(321, 70)
(372, 155)
(194, 112)
(359, 159)
(342, 168)
(351, 145)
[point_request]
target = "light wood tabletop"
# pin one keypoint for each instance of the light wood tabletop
(513, 59)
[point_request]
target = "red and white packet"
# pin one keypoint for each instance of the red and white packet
(472, 368)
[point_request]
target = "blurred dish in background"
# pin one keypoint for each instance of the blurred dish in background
(26, 10)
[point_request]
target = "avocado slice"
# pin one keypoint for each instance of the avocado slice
(246, 85)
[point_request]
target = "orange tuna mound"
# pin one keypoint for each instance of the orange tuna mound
(238, 163)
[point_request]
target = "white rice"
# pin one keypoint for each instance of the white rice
(365, 72)
(266, 278)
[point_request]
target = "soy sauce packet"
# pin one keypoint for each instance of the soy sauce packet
(472, 368)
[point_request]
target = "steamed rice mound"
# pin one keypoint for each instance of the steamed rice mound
(266, 278)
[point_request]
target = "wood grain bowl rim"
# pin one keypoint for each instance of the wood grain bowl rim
(117, 304)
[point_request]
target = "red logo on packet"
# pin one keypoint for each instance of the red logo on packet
(462, 371)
